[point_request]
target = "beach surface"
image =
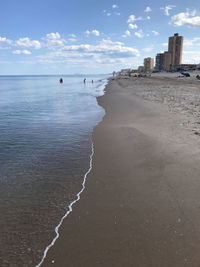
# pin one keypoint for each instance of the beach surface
(141, 204)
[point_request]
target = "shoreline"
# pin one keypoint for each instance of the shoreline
(78, 195)
(69, 209)
(142, 220)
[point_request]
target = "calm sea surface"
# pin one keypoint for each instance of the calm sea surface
(45, 147)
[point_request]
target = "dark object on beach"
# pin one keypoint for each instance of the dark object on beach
(185, 74)
(84, 80)
(198, 77)
(92, 81)
(61, 80)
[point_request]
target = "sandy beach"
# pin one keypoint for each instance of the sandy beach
(141, 205)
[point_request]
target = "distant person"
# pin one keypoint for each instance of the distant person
(61, 80)
(84, 80)
(92, 81)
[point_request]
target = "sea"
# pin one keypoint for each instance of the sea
(45, 154)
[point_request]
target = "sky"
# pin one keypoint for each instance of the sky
(92, 36)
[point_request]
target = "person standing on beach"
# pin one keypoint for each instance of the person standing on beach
(61, 80)
(84, 80)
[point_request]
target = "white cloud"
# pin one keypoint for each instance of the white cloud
(54, 40)
(167, 8)
(192, 42)
(53, 36)
(148, 9)
(105, 51)
(186, 19)
(132, 26)
(148, 17)
(72, 35)
(139, 34)
(127, 32)
(132, 18)
(191, 57)
(26, 52)
(20, 52)
(93, 32)
(155, 33)
(26, 42)
(114, 6)
(106, 55)
(72, 39)
(165, 44)
(5, 40)
(108, 14)
(5, 43)
(147, 49)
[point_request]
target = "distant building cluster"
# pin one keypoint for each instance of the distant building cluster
(170, 60)
(148, 64)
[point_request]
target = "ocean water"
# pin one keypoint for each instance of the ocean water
(45, 148)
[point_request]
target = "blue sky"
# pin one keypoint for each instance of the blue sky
(92, 36)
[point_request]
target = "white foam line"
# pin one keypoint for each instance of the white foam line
(70, 210)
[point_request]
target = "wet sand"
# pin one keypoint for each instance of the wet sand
(141, 205)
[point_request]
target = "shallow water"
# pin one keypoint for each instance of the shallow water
(45, 147)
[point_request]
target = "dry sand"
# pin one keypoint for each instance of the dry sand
(141, 205)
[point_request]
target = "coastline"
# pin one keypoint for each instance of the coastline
(78, 195)
(140, 204)
(69, 209)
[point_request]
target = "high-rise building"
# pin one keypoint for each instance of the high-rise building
(167, 60)
(159, 62)
(175, 47)
(141, 69)
(163, 61)
(148, 64)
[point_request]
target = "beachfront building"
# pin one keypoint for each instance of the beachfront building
(141, 69)
(163, 61)
(128, 72)
(159, 62)
(166, 60)
(169, 60)
(175, 47)
(148, 64)
(125, 72)
(185, 67)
